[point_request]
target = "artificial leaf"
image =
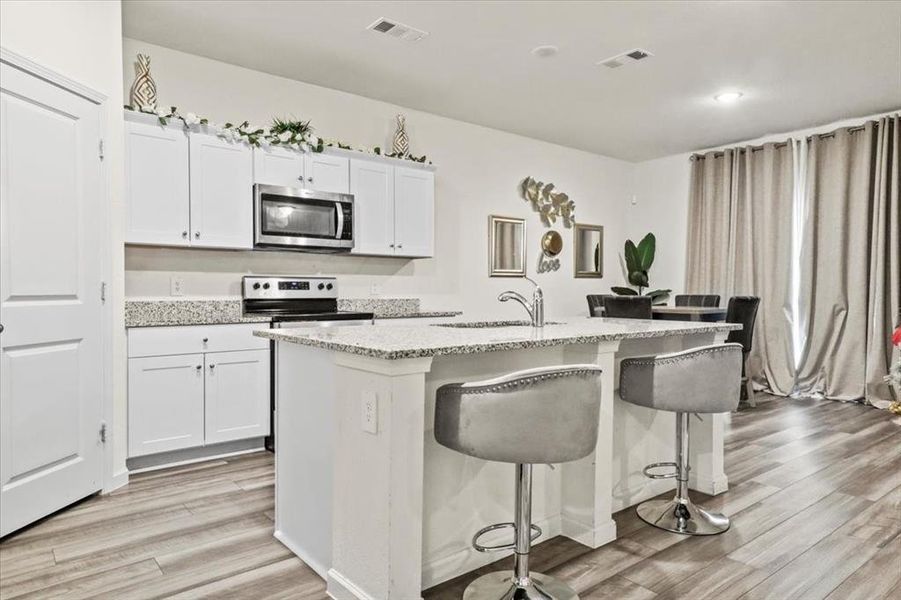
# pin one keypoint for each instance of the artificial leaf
(646, 249)
(630, 252)
(639, 278)
(658, 296)
(623, 291)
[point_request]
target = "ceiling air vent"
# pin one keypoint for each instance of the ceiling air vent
(614, 62)
(398, 30)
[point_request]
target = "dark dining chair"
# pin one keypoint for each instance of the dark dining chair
(596, 304)
(627, 307)
(743, 309)
(702, 300)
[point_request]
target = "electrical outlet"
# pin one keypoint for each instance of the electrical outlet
(177, 285)
(370, 412)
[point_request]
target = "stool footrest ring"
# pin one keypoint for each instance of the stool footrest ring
(661, 465)
(536, 533)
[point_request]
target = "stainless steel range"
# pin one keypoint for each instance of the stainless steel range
(296, 302)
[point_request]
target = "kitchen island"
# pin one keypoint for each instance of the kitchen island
(370, 501)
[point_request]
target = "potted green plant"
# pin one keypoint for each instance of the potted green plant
(639, 259)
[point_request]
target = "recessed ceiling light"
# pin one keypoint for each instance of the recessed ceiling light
(727, 97)
(545, 51)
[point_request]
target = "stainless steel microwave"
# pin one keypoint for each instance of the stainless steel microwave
(296, 219)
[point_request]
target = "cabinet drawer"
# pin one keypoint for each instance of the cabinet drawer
(161, 341)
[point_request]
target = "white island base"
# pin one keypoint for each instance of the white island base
(383, 515)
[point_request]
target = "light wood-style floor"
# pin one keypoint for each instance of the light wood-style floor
(815, 496)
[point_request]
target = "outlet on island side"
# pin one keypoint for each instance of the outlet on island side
(369, 405)
(176, 285)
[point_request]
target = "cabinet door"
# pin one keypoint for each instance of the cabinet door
(278, 166)
(165, 403)
(372, 185)
(237, 395)
(414, 212)
(326, 173)
(156, 185)
(221, 193)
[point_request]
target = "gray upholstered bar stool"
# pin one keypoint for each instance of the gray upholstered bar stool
(701, 381)
(538, 416)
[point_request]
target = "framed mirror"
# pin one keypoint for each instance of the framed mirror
(506, 247)
(588, 252)
(552, 244)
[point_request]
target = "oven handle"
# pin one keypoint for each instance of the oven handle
(340, 227)
(316, 324)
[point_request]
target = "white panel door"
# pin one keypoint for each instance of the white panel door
(51, 235)
(278, 166)
(372, 185)
(165, 403)
(414, 212)
(221, 193)
(326, 173)
(237, 395)
(156, 185)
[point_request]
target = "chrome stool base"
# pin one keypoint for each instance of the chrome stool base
(682, 516)
(500, 586)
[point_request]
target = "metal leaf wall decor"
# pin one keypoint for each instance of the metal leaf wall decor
(548, 202)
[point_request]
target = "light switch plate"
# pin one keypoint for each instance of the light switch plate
(177, 285)
(369, 418)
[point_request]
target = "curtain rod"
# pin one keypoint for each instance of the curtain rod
(829, 134)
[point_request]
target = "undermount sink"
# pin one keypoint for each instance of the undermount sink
(490, 324)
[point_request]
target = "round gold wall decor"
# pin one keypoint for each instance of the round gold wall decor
(552, 243)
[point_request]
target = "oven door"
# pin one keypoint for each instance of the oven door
(302, 219)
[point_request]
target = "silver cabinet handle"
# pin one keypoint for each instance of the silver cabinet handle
(310, 179)
(212, 367)
(391, 245)
(205, 340)
(184, 234)
(300, 178)
(199, 367)
(1, 328)
(400, 245)
(196, 234)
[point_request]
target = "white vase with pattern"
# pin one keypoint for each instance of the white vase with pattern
(143, 90)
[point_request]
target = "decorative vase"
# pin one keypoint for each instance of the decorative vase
(143, 90)
(401, 141)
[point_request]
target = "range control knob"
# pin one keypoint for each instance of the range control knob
(265, 286)
(321, 286)
(328, 286)
(256, 286)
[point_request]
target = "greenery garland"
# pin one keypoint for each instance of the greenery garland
(285, 133)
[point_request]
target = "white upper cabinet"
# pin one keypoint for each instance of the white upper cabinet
(372, 184)
(156, 184)
(278, 166)
(326, 173)
(414, 212)
(221, 192)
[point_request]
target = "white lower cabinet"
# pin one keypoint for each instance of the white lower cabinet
(237, 395)
(165, 403)
(181, 398)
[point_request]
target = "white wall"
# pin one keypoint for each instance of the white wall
(83, 41)
(660, 202)
(478, 174)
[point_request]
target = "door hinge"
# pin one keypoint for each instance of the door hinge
(103, 292)
(102, 433)
(101, 149)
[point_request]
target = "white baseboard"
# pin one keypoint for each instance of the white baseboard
(630, 496)
(340, 588)
(593, 537)
(320, 569)
(464, 560)
(116, 481)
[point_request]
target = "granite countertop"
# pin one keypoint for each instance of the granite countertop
(416, 341)
(156, 312)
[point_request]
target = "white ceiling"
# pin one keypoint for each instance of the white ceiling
(799, 64)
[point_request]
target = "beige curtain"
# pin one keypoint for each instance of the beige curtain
(851, 261)
(739, 243)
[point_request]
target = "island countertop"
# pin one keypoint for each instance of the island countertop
(418, 341)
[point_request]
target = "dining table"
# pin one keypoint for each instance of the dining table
(689, 313)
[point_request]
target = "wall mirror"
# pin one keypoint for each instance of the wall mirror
(552, 244)
(506, 247)
(588, 257)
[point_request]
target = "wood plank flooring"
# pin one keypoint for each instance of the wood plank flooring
(815, 496)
